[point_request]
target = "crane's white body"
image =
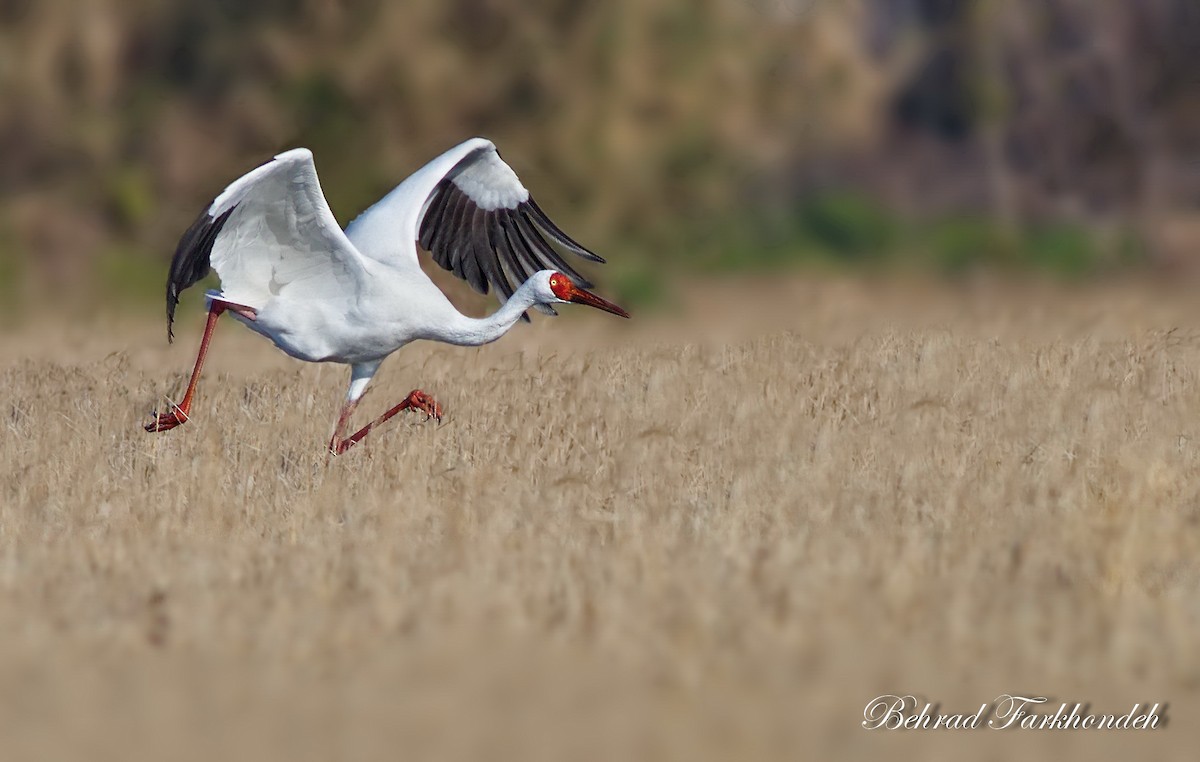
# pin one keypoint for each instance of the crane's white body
(323, 294)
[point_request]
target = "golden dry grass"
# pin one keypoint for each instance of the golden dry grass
(708, 537)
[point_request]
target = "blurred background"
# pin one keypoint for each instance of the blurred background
(888, 480)
(1055, 137)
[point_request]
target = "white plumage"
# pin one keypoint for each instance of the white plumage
(290, 273)
(281, 240)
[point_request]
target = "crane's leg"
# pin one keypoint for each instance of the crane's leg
(416, 400)
(338, 445)
(178, 414)
(361, 376)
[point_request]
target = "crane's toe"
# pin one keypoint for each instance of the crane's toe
(167, 421)
(419, 400)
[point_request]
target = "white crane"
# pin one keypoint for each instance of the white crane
(290, 273)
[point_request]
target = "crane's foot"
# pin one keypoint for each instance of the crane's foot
(177, 416)
(419, 400)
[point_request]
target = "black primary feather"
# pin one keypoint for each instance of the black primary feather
(190, 262)
(548, 225)
(494, 248)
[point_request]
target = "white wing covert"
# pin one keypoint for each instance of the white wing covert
(270, 233)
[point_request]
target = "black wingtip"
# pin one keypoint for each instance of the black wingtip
(558, 235)
(172, 301)
(191, 260)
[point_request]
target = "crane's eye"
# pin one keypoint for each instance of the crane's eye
(554, 283)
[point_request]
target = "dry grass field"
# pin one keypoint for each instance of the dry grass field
(713, 535)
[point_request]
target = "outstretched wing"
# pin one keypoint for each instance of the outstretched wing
(471, 212)
(269, 233)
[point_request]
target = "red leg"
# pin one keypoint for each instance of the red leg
(178, 415)
(337, 444)
(416, 400)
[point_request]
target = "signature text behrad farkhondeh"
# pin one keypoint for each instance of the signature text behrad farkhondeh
(890, 712)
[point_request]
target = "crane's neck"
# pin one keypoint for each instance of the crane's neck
(472, 332)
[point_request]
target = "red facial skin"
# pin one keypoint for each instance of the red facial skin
(564, 289)
(562, 286)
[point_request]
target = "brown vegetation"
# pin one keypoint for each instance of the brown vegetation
(717, 538)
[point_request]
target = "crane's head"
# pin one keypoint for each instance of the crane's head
(554, 287)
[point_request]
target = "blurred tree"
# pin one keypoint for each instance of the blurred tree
(660, 126)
